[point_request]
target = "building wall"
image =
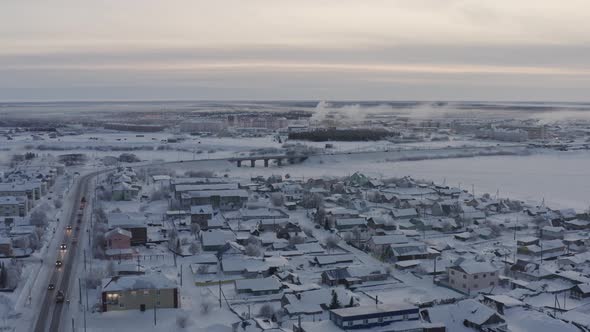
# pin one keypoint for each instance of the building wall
(364, 321)
(118, 241)
(134, 299)
(467, 283)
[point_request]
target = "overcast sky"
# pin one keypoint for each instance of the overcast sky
(299, 49)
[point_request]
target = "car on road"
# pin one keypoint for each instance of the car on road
(50, 287)
(60, 297)
(63, 246)
(58, 263)
(69, 227)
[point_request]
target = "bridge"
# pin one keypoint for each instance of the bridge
(292, 159)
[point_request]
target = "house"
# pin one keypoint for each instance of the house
(118, 244)
(581, 291)
(332, 259)
(141, 292)
(247, 267)
(408, 213)
(379, 243)
(551, 232)
(219, 199)
(576, 224)
(384, 222)
(315, 301)
(501, 302)
(369, 316)
(349, 276)
(179, 188)
(345, 224)
(5, 247)
(201, 214)
(470, 275)
(466, 313)
(258, 286)
(545, 249)
(214, 240)
(136, 223)
(124, 191)
(13, 206)
(527, 241)
(406, 251)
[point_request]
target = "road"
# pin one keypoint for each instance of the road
(49, 318)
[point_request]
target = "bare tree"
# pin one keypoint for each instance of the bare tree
(58, 203)
(332, 242)
(254, 250)
(266, 311)
(39, 217)
(312, 200)
(206, 305)
(297, 239)
(277, 199)
(195, 229)
(182, 320)
(195, 248)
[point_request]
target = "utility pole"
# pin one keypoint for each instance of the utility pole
(73, 325)
(155, 322)
(180, 275)
(80, 287)
(85, 317)
(220, 293)
(434, 274)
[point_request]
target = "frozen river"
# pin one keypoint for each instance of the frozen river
(561, 178)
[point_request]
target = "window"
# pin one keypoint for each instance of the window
(492, 283)
(133, 293)
(366, 321)
(380, 319)
(158, 303)
(121, 305)
(475, 276)
(484, 275)
(350, 323)
(464, 277)
(463, 285)
(452, 281)
(452, 272)
(405, 317)
(145, 292)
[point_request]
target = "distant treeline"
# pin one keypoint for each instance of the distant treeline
(348, 135)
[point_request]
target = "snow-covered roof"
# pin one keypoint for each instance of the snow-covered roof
(216, 237)
(372, 309)
(206, 187)
(119, 231)
(202, 209)
(222, 193)
(259, 284)
(148, 281)
(388, 239)
(347, 222)
(404, 213)
(12, 200)
(129, 219)
(333, 259)
(472, 267)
